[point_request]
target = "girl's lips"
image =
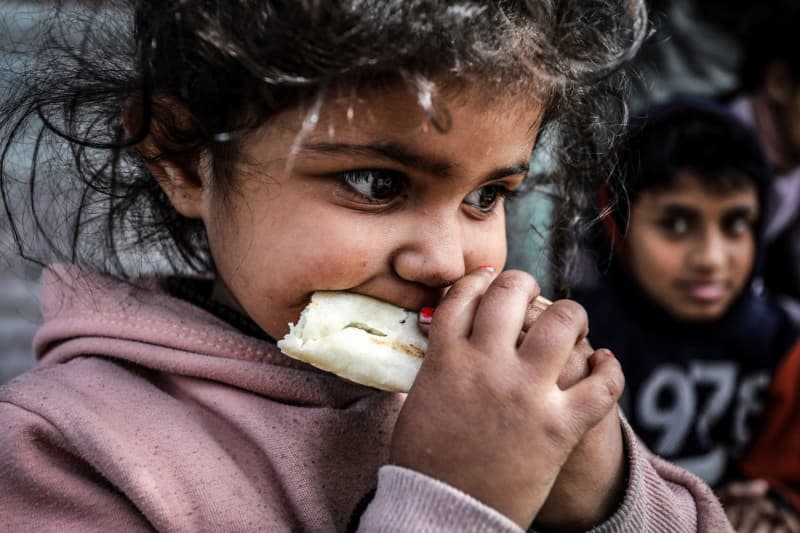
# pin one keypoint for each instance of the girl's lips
(705, 291)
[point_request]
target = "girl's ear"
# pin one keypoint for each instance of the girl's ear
(185, 191)
(778, 82)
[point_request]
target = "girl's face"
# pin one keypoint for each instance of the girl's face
(692, 250)
(374, 200)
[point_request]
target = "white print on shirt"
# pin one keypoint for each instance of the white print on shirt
(683, 417)
(750, 392)
(709, 467)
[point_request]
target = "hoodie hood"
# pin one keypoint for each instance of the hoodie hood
(138, 322)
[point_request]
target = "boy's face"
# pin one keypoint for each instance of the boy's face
(374, 200)
(692, 250)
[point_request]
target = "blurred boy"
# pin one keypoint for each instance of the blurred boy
(697, 339)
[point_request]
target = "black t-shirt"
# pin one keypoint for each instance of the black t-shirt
(695, 393)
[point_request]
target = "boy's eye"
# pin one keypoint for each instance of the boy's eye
(378, 186)
(675, 225)
(485, 198)
(736, 225)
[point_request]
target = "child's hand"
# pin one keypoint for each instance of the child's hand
(751, 509)
(591, 483)
(487, 416)
(575, 503)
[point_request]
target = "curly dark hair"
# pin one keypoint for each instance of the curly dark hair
(230, 65)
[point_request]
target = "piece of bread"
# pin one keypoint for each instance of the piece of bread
(361, 339)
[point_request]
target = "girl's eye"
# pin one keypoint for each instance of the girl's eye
(376, 186)
(675, 226)
(485, 198)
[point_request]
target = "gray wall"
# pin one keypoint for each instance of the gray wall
(19, 310)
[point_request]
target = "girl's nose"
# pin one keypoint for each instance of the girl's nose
(432, 254)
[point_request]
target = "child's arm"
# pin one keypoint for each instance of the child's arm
(659, 497)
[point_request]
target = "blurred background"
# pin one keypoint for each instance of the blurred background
(19, 310)
(695, 48)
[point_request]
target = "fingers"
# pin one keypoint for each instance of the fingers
(535, 308)
(751, 488)
(577, 366)
(762, 526)
(592, 398)
(456, 311)
(552, 338)
(790, 520)
(750, 508)
(734, 514)
(424, 327)
(750, 518)
(424, 319)
(503, 309)
(494, 311)
(757, 517)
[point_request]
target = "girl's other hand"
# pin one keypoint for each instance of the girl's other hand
(751, 508)
(490, 416)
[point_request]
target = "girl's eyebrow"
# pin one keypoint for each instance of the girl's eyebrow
(398, 153)
(675, 210)
(679, 209)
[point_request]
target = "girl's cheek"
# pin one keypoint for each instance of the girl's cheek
(486, 248)
(342, 260)
(490, 257)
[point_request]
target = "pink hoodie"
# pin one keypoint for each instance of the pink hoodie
(146, 412)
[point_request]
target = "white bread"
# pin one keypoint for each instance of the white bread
(362, 339)
(359, 338)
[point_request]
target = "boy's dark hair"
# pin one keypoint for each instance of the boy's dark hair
(770, 36)
(688, 134)
(226, 66)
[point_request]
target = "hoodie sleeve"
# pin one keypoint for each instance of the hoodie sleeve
(660, 497)
(48, 487)
(409, 501)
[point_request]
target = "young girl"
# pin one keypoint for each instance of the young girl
(283, 148)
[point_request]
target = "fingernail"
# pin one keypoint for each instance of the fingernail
(426, 315)
(488, 268)
(608, 352)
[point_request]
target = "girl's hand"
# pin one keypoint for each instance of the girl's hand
(591, 484)
(750, 508)
(486, 414)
